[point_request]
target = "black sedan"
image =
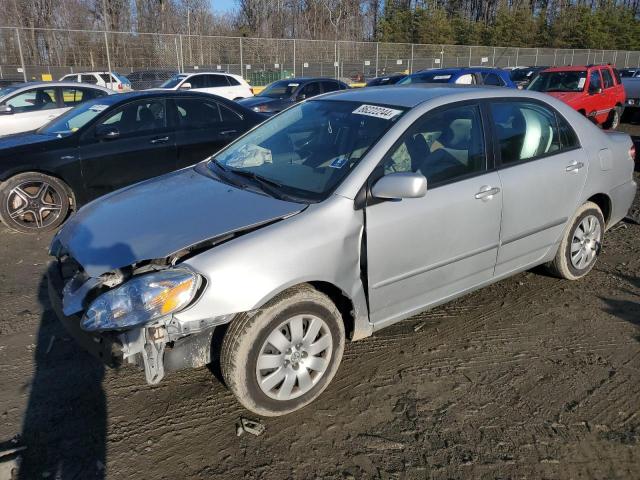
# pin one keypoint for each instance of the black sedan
(106, 144)
(284, 93)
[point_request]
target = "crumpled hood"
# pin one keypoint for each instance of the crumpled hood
(161, 216)
(567, 97)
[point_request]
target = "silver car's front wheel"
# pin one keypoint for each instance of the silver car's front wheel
(282, 357)
(294, 357)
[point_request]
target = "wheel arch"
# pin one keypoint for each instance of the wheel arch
(12, 173)
(604, 202)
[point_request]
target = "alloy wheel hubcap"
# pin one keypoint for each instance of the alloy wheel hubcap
(585, 242)
(34, 204)
(294, 357)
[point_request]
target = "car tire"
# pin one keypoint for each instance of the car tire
(272, 379)
(613, 120)
(580, 245)
(32, 202)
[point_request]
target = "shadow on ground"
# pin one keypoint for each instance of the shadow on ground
(64, 428)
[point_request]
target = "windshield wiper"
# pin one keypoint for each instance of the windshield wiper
(257, 178)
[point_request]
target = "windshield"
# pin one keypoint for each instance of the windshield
(173, 81)
(520, 74)
(280, 89)
(306, 151)
(74, 119)
(568, 81)
(426, 77)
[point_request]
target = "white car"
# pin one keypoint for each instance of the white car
(28, 106)
(225, 85)
(113, 81)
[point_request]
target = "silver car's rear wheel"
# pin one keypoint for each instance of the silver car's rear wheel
(586, 241)
(294, 357)
(284, 355)
(580, 246)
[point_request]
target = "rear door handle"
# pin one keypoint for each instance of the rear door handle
(228, 132)
(159, 140)
(487, 192)
(574, 167)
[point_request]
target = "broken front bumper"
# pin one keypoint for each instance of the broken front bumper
(103, 346)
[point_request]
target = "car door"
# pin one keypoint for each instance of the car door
(203, 126)
(597, 100)
(126, 145)
(423, 250)
(30, 110)
(542, 178)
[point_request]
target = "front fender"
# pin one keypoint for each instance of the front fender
(321, 244)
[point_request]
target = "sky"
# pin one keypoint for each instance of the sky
(222, 5)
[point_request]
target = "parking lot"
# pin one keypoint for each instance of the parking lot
(532, 377)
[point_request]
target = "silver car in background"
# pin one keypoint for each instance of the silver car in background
(340, 216)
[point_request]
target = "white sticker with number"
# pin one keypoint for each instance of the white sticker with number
(377, 111)
(98, 107)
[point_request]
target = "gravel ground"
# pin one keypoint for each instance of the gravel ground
(532, 377)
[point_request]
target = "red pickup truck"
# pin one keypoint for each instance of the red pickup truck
(596, 91)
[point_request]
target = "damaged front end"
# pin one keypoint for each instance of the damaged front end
(125, 316)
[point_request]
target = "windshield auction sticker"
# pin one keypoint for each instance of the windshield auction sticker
(377, 111)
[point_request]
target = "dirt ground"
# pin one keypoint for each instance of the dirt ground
(532, 377)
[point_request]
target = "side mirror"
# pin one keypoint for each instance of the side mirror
(400, 185)
(107, 132)
(6, 110)
(185, 86)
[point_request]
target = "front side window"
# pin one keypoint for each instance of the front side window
(466, 79)
(138, 117)
(88, 79)
(310, 89)
(306, 151)
(524, 130)
(33, 100)
(330, 86)
(444, 145)
(198, 81)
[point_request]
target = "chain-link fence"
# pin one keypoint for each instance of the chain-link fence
(48, 54)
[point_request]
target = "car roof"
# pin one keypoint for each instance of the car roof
(570, 68)
(307, 79)
(406, 96)
(453, 70)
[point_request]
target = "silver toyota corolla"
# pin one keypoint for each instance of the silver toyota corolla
(338, 217)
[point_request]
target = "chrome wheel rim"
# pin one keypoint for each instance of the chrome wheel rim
(294, 357)
(585, 242)
(34, 204)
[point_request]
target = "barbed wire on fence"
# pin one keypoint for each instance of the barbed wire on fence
(39, 53)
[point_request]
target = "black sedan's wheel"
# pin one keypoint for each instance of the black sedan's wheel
(282, 357)
(33, 202)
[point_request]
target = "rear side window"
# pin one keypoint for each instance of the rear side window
(568, 137)
(232, 81)
(492, 79)
(195, 114)
(74, 96)
(525, 131)
(217, 81)
(607, 79)
(616, 74)
(198, 81)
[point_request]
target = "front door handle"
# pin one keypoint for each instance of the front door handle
(228, 132)
(487, 192)
(159, 140)
(574, 167)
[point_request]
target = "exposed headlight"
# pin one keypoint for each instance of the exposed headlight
(142, 300)
(261, 108)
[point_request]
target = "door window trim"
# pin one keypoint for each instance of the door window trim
(497, 154)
